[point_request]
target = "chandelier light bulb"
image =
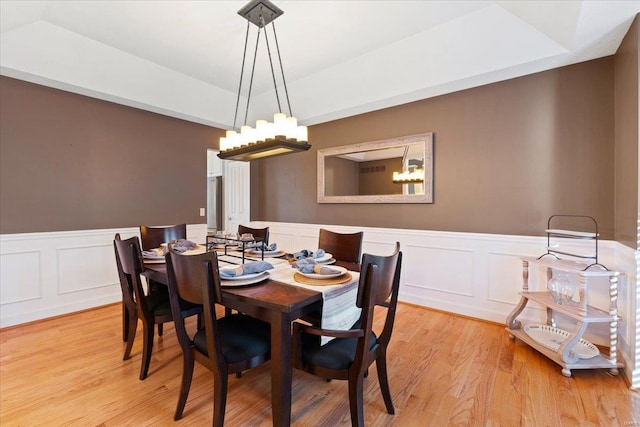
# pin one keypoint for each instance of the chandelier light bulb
(302, 134)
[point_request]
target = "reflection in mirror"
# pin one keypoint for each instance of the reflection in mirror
(398, 170)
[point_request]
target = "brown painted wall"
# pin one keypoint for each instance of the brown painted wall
(70, 162)
(506, 157)
(627, 209)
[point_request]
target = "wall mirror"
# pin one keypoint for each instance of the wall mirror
(397, 170)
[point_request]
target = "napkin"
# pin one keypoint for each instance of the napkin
(306, 253)
(153, 253)
(271, 247)
(309, 265)
(183, 245)
(246, 268)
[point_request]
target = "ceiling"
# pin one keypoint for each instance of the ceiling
(341, 58)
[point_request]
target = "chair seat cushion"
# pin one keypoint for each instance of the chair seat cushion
(336, 354)
(158, 302)
(242, 337)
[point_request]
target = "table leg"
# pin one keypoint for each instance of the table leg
(281, 370)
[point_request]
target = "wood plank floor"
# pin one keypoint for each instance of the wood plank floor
(444, 370)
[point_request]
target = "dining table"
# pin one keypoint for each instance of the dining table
(279, 304)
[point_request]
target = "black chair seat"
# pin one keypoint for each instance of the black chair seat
(158, 303)
(338, 353)
(241, 337)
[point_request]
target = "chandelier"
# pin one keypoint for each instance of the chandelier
(408, 175)
(280, 136)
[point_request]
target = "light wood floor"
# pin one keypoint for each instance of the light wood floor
(444, 371)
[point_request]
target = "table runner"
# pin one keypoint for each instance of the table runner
(339, 311)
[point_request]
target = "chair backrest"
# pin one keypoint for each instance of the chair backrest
(343, 246)
(379, 284)
(196, 279)
(153, 237)
(129, 263)
(261, 234)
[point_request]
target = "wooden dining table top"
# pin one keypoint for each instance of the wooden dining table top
(270, 294)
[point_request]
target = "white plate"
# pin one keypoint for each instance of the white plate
(244, 276)
(153, 257)
(327, 262)
(552, 338)
(259, 278)
(275, 253)
(200, 249)
(325, 257)
(325, 276)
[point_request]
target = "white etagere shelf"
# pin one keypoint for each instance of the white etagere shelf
(580, 311)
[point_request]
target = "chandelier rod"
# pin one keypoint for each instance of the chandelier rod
(244, 56)
(273, 73)
(253, 69)
(284, 81)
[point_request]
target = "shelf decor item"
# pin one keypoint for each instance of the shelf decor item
(553, 338)
(560, 287)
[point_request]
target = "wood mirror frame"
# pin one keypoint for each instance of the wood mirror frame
(423, 140)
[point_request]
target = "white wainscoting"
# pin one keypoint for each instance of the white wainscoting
(480, 275)
(475, 275)
(48, 274)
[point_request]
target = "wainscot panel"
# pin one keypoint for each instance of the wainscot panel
(49, 274)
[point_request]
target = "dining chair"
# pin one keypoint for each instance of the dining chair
(153, 237)
(345, 247)
(260, 234)
(225, 345)
(351, 352)
(152, 307)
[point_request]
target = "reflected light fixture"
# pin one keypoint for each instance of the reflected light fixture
(408, 176)
(283, 135)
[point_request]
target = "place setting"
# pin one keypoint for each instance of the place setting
(182, 246)
(319, 256)
(260, 249)
(311, 272)
(247, 274)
